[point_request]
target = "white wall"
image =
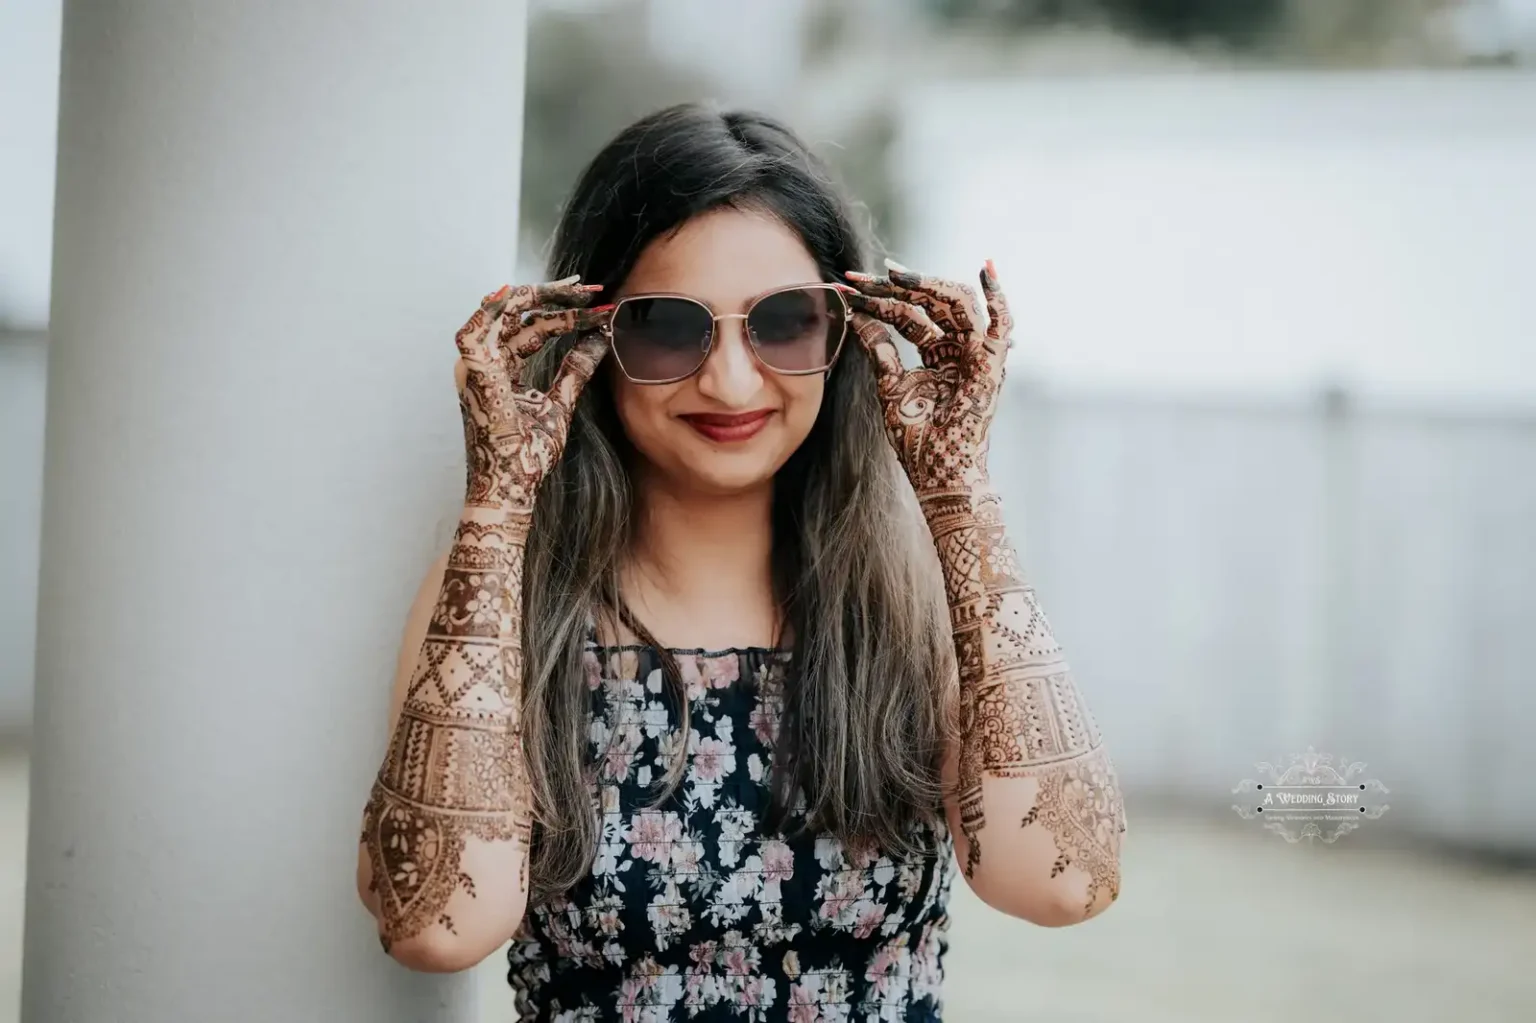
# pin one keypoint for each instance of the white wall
(23, 371)
(29, 72)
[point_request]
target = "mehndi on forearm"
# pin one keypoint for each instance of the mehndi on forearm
(1022, 716)
(454, 770)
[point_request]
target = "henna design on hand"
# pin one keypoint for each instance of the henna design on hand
(454, 769)
(1021, 714)
(514, 435)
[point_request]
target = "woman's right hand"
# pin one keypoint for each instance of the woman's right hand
(513, 434)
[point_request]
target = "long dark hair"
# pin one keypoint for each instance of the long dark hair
(866, 704)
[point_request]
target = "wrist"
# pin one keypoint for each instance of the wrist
(962, 496)
(509, 525)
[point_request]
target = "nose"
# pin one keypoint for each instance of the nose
(731, 374)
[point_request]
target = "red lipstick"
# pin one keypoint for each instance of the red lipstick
(724, 429)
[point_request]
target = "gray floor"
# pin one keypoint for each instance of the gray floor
(1217, 924)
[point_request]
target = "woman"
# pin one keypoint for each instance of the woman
(690, 707)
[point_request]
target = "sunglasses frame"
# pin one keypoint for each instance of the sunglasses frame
(715, 318)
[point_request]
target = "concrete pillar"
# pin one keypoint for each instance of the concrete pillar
(271, 218)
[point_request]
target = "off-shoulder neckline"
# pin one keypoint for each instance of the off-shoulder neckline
(730, 651)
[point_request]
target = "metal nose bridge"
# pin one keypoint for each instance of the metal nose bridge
(715, 318)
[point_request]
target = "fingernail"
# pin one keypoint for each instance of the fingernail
(845, 289)
(589, 287)
(498, 295)
(896, 266)
(572, 279)
(854, 275)
(991, 270)
(602, 308)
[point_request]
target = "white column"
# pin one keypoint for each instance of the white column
(271, 218)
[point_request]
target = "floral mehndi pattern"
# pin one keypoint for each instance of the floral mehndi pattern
(693, 908)
(1021, 714)
(454, 767)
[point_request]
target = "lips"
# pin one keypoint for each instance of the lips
(723, 428)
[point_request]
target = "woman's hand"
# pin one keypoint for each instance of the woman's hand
(513, 435)
(937, 414)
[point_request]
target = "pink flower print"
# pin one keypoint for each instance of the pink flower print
(735, 961)
(883, 967)
(649, 987)
(778, 860)
(803, 1007)
(714, 760)
(756, 991)
(630, 994)
(867, 915)
(669, 916)
(720, 672)
(842, 891)
(686, 856)
(703, 952)
(927, 976)
(652, 836)
(693, 677)
(619, 757)
(765, 720)
(592, 669)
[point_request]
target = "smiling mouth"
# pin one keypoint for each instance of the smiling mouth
(725, 428)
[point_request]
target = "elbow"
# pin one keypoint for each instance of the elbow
(437, 948)
(442, 947)
(438, 951)
(1061, 913)
(1049, 905)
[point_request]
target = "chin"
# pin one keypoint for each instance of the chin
(724, 477)
(732, 469)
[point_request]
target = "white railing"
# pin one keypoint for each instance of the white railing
(1237, 582)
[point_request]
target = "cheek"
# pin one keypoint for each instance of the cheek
(802, 403)
(642, 410)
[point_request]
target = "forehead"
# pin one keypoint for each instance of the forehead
(724, 257)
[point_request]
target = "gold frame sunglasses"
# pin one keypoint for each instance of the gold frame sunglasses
(839, 310)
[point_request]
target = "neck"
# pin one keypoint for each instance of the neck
(701, 563)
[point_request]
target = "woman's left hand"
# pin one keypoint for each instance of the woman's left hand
(938, 414)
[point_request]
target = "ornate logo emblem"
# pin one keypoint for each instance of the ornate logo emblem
(1312, 798)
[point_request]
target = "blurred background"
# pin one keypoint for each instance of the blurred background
(1269, 441)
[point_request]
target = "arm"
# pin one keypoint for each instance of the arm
(443, 857)
(417, 621)
(1029, 762)
(1035, 804)
(444, 846)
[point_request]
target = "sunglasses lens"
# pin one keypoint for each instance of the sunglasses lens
(798, 330)
(660, 338)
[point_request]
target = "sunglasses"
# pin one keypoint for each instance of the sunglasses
(662, 338)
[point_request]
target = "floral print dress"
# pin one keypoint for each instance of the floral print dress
(693, 909)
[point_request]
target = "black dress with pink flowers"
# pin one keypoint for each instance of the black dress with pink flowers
(694, 910)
